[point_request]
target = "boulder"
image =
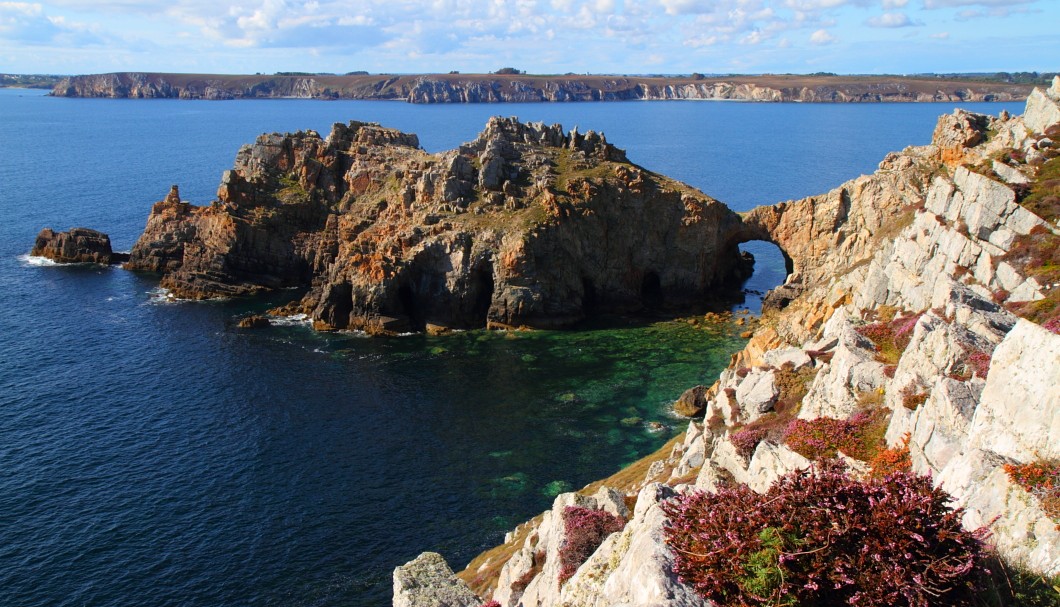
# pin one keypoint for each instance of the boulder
(79, 245)
(757, 392)
(692, 402)
(427, 581)
(1018, 416)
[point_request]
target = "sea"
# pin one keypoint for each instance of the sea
(154, 454)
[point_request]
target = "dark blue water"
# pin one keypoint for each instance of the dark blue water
(154, 454)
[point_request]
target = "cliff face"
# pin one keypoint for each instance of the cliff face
(526, 225)
(930, 257)
(485, 88)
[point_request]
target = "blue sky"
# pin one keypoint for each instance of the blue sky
(540, 36)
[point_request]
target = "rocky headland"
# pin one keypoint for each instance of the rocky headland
(919, 329)
(521, 88)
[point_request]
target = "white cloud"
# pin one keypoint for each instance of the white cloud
(890, 20)
(822, 37)
(953, 3)
(893, 4)
(941, 35)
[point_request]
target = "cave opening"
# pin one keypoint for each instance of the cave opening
(482, 288)
(411, 308)
(589, 298)
(651, 293)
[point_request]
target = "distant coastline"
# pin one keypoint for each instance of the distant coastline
(523, 88)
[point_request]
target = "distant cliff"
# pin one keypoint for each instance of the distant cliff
(492, 88)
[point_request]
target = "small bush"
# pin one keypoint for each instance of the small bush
(860, 437)
(980, 363)
(1053, 325)
(891, 338)
(584, 529)
(746, 439)
(491, 603)
(1042, 480)
(892, 460)
(820, 538)
(537, 563)
(913, 398)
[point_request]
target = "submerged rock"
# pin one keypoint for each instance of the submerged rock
(254, 321)
(79, 245)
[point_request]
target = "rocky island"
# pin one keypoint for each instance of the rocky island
(523, 88)
(525, 226)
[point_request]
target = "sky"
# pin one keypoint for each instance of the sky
(537, 36)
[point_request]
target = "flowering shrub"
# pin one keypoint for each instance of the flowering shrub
(821, 538)
(1041, 479)
(891, 337)
(584, 529)
(491, 603)
(1053, 325)
(859, 436)
(746, 439)
(980, 363)
(892, 460)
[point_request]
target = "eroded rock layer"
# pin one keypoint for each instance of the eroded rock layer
(526, 225)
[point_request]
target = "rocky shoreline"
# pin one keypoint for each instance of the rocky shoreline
(904, 309)
(921, 313)
(491, 88)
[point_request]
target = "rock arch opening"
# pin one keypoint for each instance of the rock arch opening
(772, 266)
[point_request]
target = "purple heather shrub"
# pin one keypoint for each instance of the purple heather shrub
(819, 537)
(1053, 325)
(822, 437)
(980, 363)
(746, 439)
(584, 530)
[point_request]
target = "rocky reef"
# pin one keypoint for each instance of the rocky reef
(78, 245)
(922, 317)
(527, 225)
(492, 88)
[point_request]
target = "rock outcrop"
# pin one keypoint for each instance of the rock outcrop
(492, 88)
(79, 245)
(900, 309)
(427, 581)
(526, 225)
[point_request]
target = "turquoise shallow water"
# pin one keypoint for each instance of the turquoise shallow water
(155, 454)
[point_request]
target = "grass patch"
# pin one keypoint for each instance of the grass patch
(482, 572)
(1037, 255)
(1043, 199)
(1013, 586)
